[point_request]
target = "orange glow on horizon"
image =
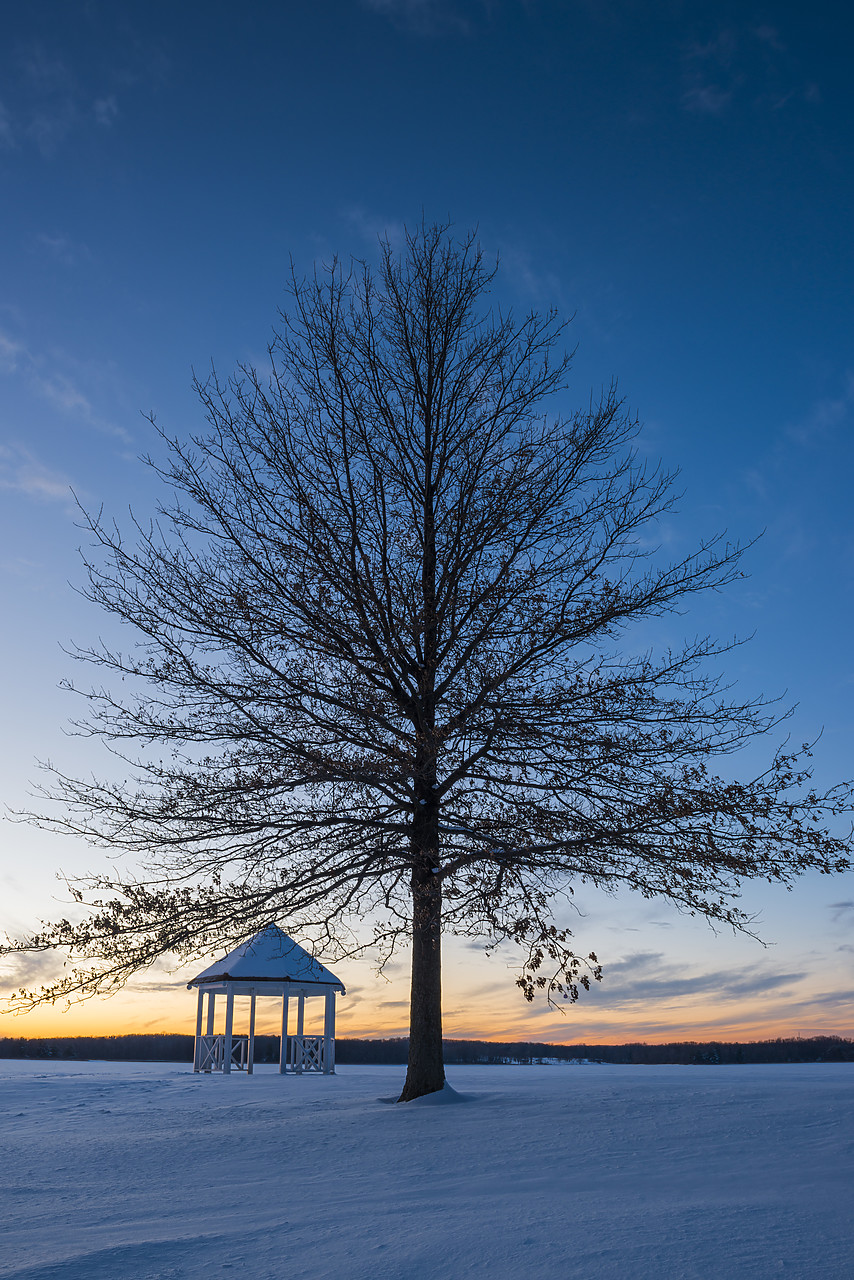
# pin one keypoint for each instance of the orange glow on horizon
(482, 1002)
(659, 1026)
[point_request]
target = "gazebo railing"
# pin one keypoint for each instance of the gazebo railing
(212, 1052)
(306, 1053)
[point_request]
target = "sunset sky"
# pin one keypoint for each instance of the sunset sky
(678, 177)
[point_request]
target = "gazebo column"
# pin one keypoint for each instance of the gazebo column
(229, 1023)
(197, 1055)
(300, 1030)
(329, 1035)
(283, 1047)
(210, 1026)
(250, 1056)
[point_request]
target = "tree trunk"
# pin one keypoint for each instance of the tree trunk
(426, 1071)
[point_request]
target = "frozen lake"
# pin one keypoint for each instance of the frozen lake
(118, 1171)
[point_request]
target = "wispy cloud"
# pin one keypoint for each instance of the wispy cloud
(372, 227)
(22, 472)
(153, 987)
(51, 383)
(710, 77)
(105, 110)
(542, 287)
(771, 36)
(12, 354)
(48, 127)
(825, 416)
(7, 133)
(61, 248)
(743, 63)
(61, 392)
(44, 71)
(47, 99)
(647, 977)
(28, 969)
(707, 99)
(49, 107)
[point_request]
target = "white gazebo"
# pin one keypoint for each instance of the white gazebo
(270, 964)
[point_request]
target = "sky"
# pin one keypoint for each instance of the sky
(676, 178)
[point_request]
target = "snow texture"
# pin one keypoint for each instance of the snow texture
(271, 956)
(146, 1172)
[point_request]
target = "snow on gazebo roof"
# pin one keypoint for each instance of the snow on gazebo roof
(271, 956)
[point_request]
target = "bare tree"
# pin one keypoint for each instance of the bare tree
(381, 639)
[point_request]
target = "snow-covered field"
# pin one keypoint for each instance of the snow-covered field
(112, 1171)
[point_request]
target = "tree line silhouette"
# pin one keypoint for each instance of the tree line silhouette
(394, 1051)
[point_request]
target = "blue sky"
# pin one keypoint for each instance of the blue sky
(676, 176)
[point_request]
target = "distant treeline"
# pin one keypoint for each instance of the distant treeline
(179, 1048)
(814, 1049)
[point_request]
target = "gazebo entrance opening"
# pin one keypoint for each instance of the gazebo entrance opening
(270, 965)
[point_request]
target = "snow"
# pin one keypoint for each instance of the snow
(122, 1171)
(271, 956)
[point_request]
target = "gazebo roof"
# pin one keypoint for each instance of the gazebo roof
(271, 956)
